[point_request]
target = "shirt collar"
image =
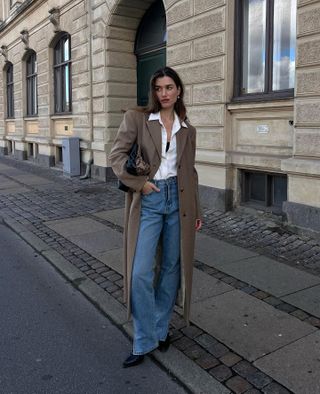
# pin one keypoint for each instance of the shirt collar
(156, 116)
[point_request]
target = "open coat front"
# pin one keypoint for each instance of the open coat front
(150, 142)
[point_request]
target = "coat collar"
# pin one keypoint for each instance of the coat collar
(154, 127)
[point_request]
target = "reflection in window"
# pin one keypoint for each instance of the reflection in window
(62, 75)
(254, 45)
(31, 76)
(266, 34)
(284, 44)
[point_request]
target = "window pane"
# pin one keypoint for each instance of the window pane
(10, 103)
(10, 74)
(29, 109)
(29, 67)
(66, 52)
(57, 86)
(35, 96)
(254, 42)
(284, 44)
(34, 64)
(279, 190)
(57, 52)
(257, 187)
(67, 88)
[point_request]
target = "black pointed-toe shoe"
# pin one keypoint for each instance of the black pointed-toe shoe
(132, 360)
(164, 345)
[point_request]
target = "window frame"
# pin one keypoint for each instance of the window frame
(268, 93)
(31, 86)
(60, 106)
(9, 92)
(269, 191)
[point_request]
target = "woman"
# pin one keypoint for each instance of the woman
(162, 208)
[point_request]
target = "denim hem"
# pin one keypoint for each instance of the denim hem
(164, 338)
(145, 352)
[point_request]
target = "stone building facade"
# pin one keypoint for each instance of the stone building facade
(252, 90)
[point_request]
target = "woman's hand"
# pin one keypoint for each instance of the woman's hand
(198, 224)
(149, 187)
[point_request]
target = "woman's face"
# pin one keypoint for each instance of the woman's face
(167, 92)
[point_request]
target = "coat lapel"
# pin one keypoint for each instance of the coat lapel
(154, 129)
(181, 136)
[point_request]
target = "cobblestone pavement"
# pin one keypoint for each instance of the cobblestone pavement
(265, 235)
(67, 198)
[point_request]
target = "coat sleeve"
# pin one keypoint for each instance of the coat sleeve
(195, 174)
(125, 138)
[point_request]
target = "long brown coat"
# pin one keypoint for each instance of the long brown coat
(150, 137)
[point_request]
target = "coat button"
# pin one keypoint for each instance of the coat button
(179, 166)
(184, 214)
(182, 189)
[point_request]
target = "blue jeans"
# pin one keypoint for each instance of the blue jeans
(152, 302)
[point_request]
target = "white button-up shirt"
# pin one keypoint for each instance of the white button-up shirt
(168, 166)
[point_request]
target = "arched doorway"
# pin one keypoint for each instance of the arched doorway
(150, 48)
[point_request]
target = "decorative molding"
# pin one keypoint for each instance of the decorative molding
(24, 35)
(54, 18)
(15, 4)
(4, 52)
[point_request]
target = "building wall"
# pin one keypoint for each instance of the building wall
(46, 130)
(303, 168)
(280, 136)
(196, 48)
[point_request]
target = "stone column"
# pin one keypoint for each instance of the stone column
(303, 205)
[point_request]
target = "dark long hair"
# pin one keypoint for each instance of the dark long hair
(154, 104)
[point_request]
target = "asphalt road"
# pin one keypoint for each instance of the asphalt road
(52, 340)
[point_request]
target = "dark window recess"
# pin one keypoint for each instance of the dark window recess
(10, 147)
(62, 75)
(30, 150)
(263, 189)
(265, 49)
(10, 95)
(31, 76)
(59, 154)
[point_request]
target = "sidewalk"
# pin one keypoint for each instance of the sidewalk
(255, 320)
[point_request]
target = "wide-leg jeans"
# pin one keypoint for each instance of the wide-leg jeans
(152, 301)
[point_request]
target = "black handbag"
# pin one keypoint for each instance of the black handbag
(122, 186)
(135, 165)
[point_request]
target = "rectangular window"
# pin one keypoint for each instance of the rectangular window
(30, 150)
(62, 75)
(265, 48)
(31, 76)
(10, 94)
(264, 189)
